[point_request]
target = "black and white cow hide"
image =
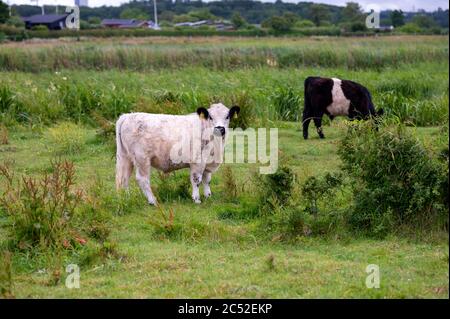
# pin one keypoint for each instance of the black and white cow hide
(335, 97)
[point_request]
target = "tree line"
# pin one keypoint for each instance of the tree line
(245, 14)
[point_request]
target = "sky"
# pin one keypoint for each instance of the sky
(405, 5)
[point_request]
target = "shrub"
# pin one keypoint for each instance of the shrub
(66, 138)
(39, 28)
(277, 188)
(49, 212)
(304, 24)
(286, 103)
(316, 188)
(41, 210)
(395, 179)
(107, 129)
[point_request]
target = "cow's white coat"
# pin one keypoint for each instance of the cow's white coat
(340, 105)
(148, 140)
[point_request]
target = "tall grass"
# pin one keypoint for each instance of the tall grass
(259, 76)
(366, 54)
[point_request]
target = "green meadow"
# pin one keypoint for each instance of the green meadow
(59, 101)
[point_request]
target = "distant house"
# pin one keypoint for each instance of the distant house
(127, 23)
(219, 25)
(51, 21)
(385, 28)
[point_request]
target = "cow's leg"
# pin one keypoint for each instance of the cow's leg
(206, 179)
(318, 123)
(196, 180)
(306, 119)
(143, 179)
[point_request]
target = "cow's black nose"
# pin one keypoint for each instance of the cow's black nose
(219, 130)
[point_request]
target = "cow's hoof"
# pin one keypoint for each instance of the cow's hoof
(208, 194)
(153, 203)
(197, 200)
(321, 137)
(305, 137)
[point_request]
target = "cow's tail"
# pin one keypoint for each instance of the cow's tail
(123, 163)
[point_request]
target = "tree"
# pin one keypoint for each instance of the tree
(292, 18)
(16, 21)
(166, 16)
(94, 20)
(4, 12)
(397, 18)
(280, 23)
(304, 24)
(184, 18)
(134, 13)
(352, 12)
(202, 14)
(423, 21)
(318, 13)
(238, 21)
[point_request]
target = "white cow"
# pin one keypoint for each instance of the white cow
(171, 142)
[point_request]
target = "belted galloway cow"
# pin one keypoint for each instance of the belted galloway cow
(335, 97)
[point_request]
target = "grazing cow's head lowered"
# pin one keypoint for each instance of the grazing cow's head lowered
(336, 97)
(218, 116)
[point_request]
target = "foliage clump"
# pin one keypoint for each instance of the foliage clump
(396, 181)
(286, 103)
(66, 138)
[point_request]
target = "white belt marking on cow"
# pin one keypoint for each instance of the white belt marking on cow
(340, 105)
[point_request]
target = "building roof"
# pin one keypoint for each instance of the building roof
(44, 18)
(119, 21)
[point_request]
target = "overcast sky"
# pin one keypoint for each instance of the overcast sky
(405, 5)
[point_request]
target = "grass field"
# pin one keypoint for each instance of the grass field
(207, 250)
(228, 258)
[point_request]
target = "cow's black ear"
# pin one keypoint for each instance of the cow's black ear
(234, 111)
(380, 112)
(203, 113)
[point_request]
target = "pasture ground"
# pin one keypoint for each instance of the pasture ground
(226, 258)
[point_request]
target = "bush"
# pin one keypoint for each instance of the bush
(316, 188)
(41, 210)
(277, 188)
(410, 28)
(39, 28)
(49, 212)
(66, 138)
(395, 180)
(286, 103)
(304, 24)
